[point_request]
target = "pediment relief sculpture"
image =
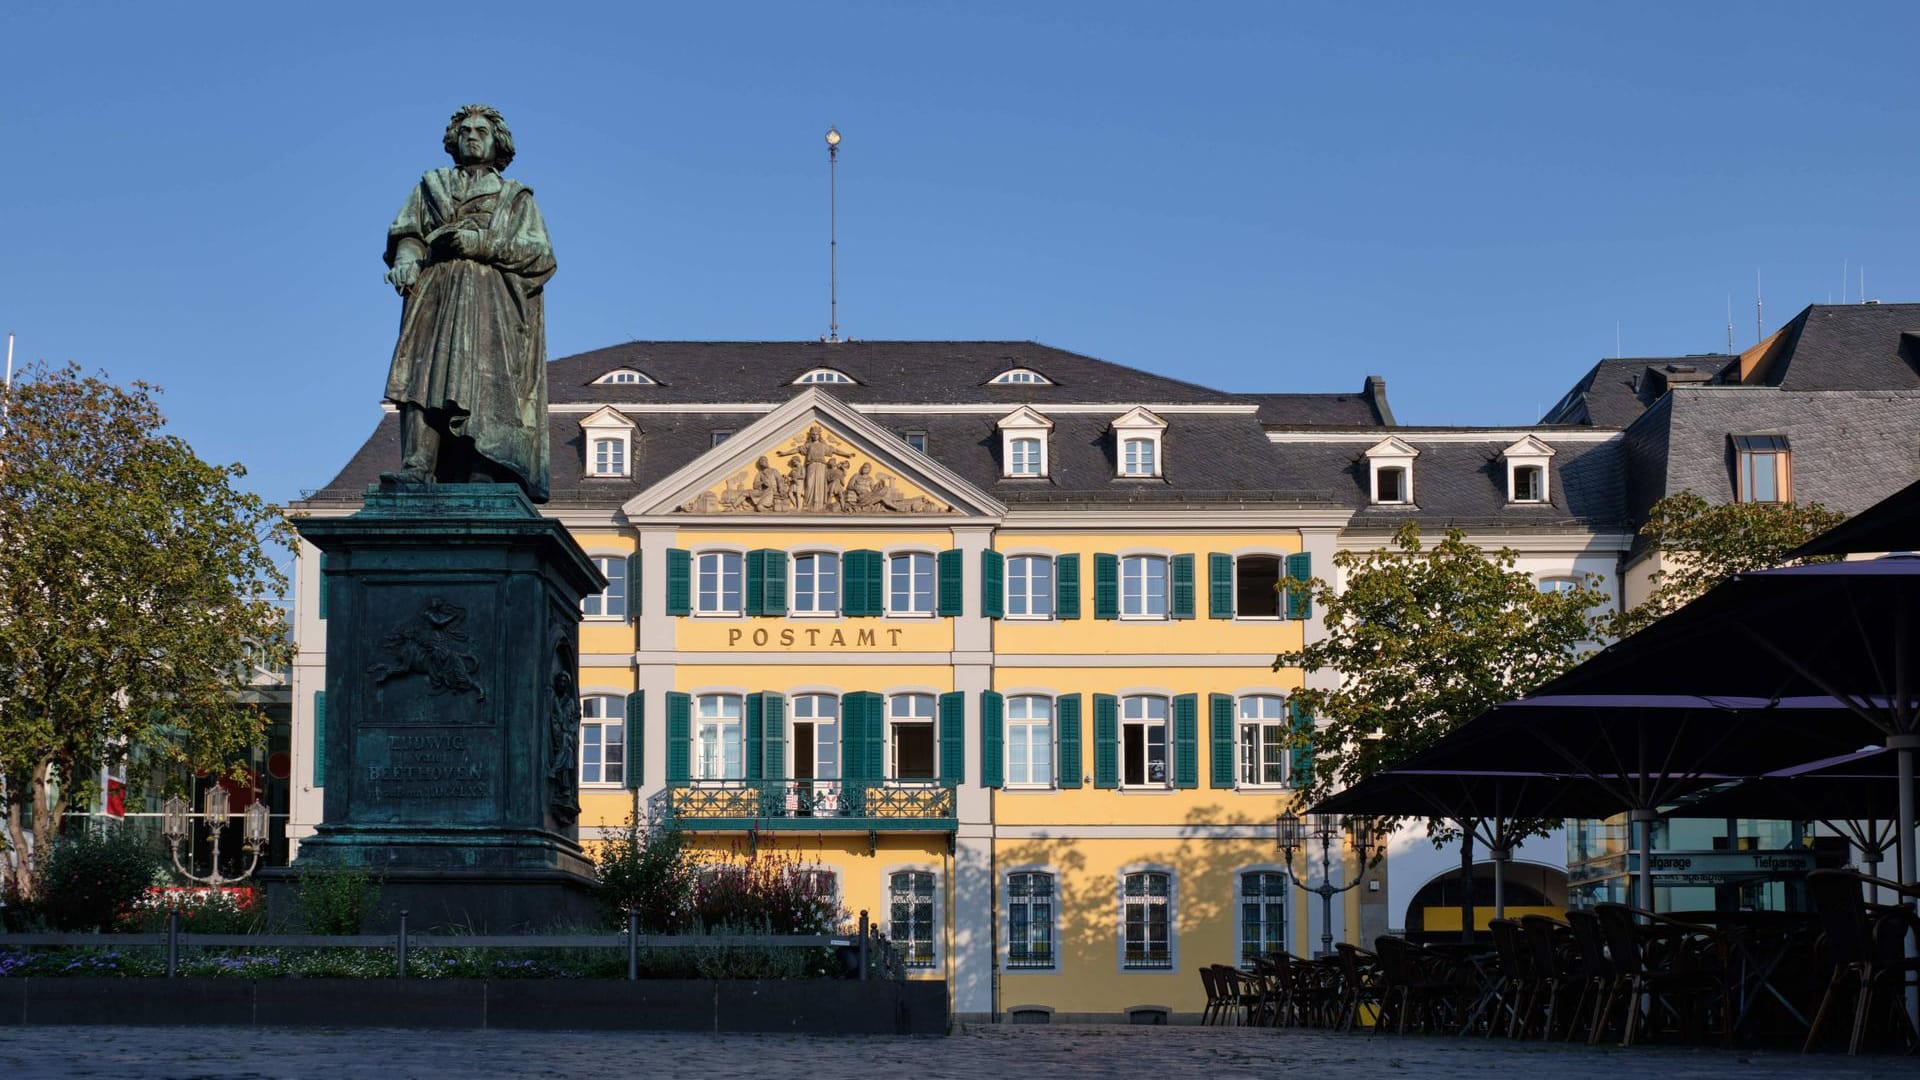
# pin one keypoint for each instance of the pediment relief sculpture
(815, 473)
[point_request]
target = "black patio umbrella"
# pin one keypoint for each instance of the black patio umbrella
(1853, 794)
(1843, 632)
(1496, 807)
(1645, 752)
(1892, 524)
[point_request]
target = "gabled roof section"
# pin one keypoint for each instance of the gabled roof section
(1527, 447)
(1844, 347)
(608, 417)
(1614, 392)
(1392, 447)
(1024, 417)
(1138, 418)
(708, 485)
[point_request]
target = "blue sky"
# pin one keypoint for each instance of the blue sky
(1466, 199)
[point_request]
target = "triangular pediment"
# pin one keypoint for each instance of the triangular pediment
(1528, 447)
(1391, 447)
(814, 457)
(1024, 417)
(608, 417)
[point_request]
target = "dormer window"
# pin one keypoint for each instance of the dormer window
(1020, 377)
(1023, 444)
(824, 376)
(1527, 471)
(609, 441)
(624, 377)
(1137, 445)
(1390, 473)
(1765, 468)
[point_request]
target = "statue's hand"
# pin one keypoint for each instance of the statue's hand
(463, 243)
(404, 275)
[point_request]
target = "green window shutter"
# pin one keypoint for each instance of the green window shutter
(1066, 587)
(1106, 586)
(679, 738)
(862, 583)
(1186, 740)
(993, 753)
(1219, 586)
(755, 583)
(636, 736)
(1106, 741)
(953, 738)
(752, 753)
(862, 755)
(319, 738)
(951, 583)
(770, 590)
(633, 587)
(1180, 602)
(993, 584)
(1302, 753)
(1299, 600)
(1066, 713)
(322, 605)
(773, 733)
(679, 581)
(1220, 711)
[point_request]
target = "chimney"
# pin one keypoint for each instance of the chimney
(1375, 393)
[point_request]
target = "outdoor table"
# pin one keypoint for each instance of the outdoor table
(1762, 942)
(1482, 962)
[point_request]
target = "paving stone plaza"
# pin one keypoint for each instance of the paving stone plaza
(973, 1054)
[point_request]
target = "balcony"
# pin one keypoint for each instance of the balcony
(806, 805)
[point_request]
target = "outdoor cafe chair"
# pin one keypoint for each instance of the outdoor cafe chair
(1513, 975)
(1359, 983)
(1596, 973)
(1865, 943)
(1682, 969)
(1283, 1000)
(1419, 987)
(1216, 998)
(1549, 950)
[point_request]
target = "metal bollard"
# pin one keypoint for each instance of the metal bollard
(863, 944)
(400, 943)
(633, 944)
(173, 942)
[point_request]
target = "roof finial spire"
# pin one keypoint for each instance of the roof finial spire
(833, 234)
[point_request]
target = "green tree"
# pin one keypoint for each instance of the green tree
(1423, 639)
(134, 598)
(1701, 544)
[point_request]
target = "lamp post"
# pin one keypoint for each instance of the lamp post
(217, 810)
(833, 234)
(1291, 833)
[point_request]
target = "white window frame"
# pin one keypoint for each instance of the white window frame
(1030, 596)
(597, 712)
(609, 454)
(715, 438)
(1166, 586)
(1557, 583)
(1138, 424)
(1239, 908)
(1020, 376)
(933, 585)
(700, 594)
(1024, 423)
(720, 722)
(608, 425)
(915, 439)
(625, 377)
(1528, 453)
(932, 722)
(1170, 904)
(1248, 774)
(936, 946)
(1028, 967)
(1027, 457)
(839, 586)
(796, 714)
(825, 376)
(1047, 740)
(614, 569)
(1390, 453)
(1146, 722)
(1279, 595)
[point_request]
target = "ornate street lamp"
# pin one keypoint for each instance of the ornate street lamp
(217, 811)
(1293, 834)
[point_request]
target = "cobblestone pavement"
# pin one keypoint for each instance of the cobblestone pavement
(977, 1054)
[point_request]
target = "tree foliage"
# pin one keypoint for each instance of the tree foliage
(1702, 544)
(134, 597)
(1423, 639)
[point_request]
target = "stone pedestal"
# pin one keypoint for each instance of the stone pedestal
(452, 717)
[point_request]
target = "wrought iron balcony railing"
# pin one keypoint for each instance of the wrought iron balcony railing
(805, 804)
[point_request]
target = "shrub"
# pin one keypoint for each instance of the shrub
(94, 876)
(646, 869)
(202, 911)
(763, 893)
(335, 898)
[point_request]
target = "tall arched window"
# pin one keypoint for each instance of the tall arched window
(603, 740)
(1146, 922)
(718, 749)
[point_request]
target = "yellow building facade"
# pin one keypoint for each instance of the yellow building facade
(1021, 707)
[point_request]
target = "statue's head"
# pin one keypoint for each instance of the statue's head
(760, 464)
(477, 135)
